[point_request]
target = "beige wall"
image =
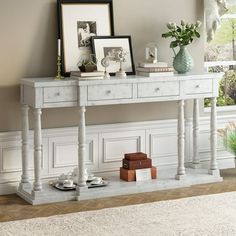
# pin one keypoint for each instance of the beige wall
(28, 32)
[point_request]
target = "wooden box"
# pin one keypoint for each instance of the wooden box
(129, 175)
(137, 164)
(135, 156)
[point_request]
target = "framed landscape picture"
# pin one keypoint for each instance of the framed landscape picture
(79, 20)
(112, 47)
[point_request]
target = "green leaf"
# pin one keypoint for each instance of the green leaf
(197, 34)
(173, 44)
(166, 35)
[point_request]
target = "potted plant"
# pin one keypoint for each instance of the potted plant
(88, 64)
(229, 137)
(183, 35)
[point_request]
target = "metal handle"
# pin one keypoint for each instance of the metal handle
(157, 89)
(108, 91)
(197, 86)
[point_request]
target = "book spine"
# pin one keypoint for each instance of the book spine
(145, 65)
(86, 74)
(155, 74)
(87, 78)
(159, 69)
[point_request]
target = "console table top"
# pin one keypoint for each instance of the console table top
(50, 81)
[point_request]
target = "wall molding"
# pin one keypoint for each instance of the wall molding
(105, 147)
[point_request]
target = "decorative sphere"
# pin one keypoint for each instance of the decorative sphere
(105, 62)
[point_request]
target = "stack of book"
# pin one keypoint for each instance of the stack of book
(87, 75)
(154, 69)
(133, 162)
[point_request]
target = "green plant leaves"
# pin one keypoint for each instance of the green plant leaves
(173, 44)
(166, 35)
(183, 34)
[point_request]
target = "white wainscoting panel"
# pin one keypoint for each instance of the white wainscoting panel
(161, 142)
(106, 145)
(63, 153)
(113, 145)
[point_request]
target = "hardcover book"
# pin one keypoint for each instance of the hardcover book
(155, 74)
(158, 64)
(86, 74)
(87, 77)
(157, 69)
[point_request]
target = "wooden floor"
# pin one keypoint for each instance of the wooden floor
(14, 208)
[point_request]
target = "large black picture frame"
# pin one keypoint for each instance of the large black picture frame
(78, 20)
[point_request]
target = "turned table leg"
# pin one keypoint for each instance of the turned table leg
(196, 161)
(37, 149)
(213, 169)
(181, 139)
(82, 148)
(25, 144)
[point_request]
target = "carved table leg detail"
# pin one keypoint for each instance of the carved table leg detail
(196, 161)
(181, 139)
(37, 149)
(82, 147)
(213, 169)
(25, 143)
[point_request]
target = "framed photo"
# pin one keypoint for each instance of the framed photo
(110, 47)
(79, 20)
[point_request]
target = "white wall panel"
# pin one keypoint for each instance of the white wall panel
(113, 146)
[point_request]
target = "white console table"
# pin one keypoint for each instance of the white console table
(39, 93)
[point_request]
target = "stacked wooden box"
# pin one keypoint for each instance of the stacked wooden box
(134, 161)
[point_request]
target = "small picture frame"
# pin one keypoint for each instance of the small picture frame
(78, 21)
(151, 53)
(108, 46)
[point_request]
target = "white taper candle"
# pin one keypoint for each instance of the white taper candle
(59, 47)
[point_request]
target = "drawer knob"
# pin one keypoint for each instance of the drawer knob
(58, 94)
(108, 91)
(157, 89)
(197, 86)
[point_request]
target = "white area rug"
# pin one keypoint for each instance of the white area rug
(204, 215)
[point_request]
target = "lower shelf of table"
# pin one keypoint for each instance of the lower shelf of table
(116, 187)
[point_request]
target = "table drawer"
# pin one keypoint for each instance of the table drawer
(158, 89)
(59, 94)
(198, 86)
(109, 92)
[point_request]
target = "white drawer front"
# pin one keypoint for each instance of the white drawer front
(109, 92)
(158, 89)
(60, 94)
(198, 86)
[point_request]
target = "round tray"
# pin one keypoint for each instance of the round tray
(62, 188)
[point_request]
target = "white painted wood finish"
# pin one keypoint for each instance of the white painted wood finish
(81, 148)
(181, 139)
(46, 92)
(199, 86)
(108, 92)
(213, 165)
(158, 89)
(196, 161)
(25, 143)
(59, 94)
(37, 149)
